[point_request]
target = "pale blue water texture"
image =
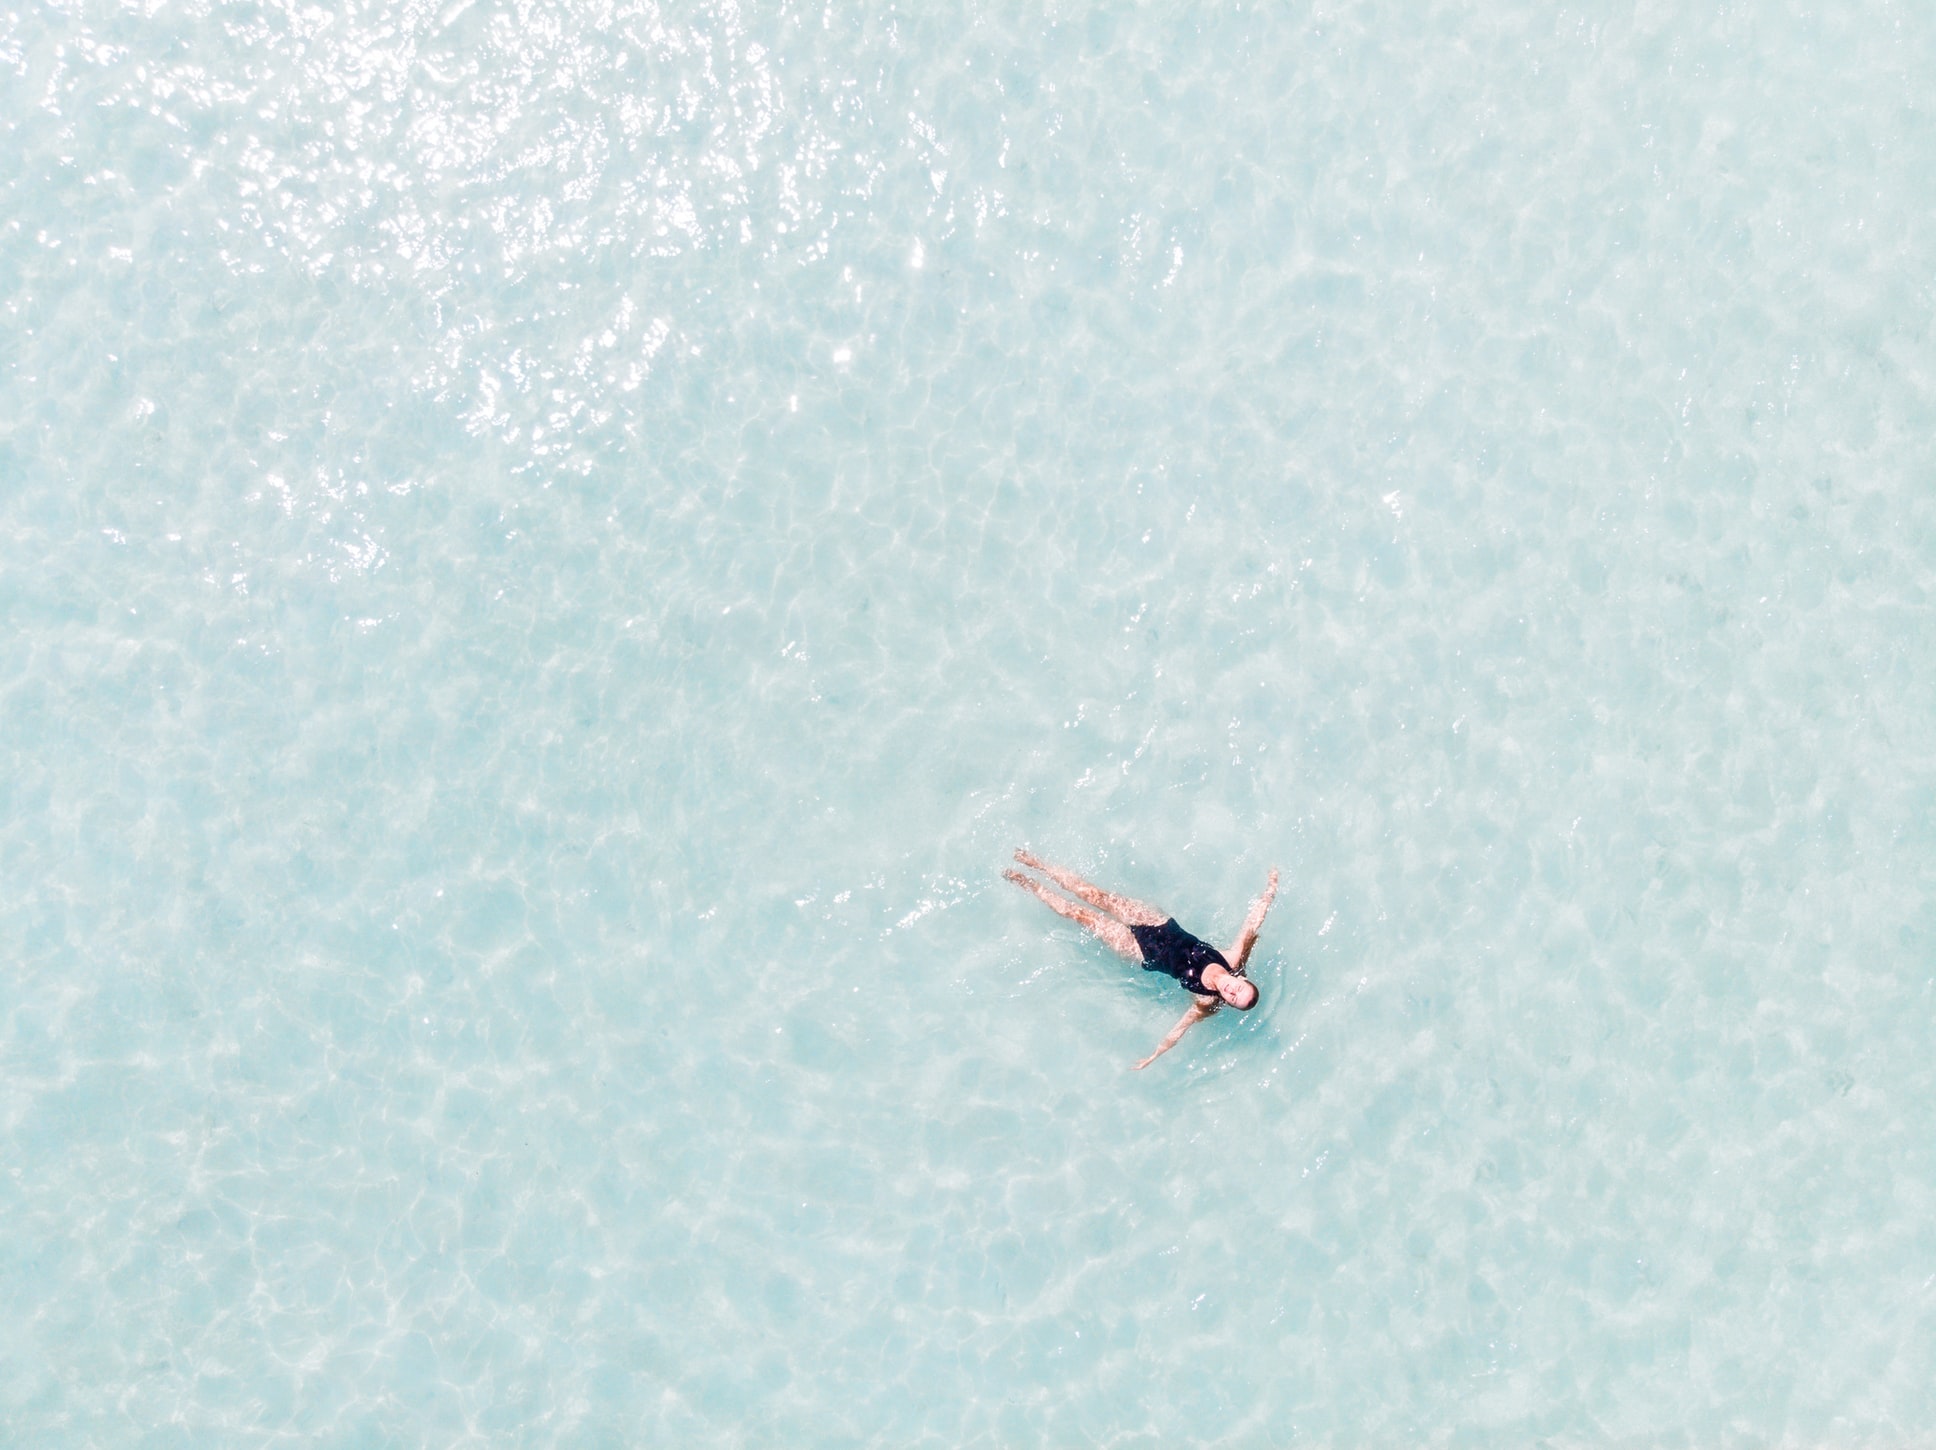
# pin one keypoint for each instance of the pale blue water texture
(548, 553)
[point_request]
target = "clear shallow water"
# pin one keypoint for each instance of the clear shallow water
(548, 555)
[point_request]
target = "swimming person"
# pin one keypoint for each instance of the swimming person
(1143, 934)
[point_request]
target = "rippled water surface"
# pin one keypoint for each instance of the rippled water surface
(549, 552)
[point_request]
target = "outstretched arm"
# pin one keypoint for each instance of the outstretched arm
(1253, 924)
(1184, 1023)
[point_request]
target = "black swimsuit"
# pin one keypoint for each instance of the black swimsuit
(1173, 951)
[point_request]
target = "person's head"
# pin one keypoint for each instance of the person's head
(1239, 992)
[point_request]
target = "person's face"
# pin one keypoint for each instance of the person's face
(1236, 990)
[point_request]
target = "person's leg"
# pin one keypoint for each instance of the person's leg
(1113, 933)
(1127, 908)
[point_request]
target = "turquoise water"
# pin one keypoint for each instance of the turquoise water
(549, 554)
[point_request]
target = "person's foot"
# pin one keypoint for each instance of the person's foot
(1029, 859)
(1019, 879)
